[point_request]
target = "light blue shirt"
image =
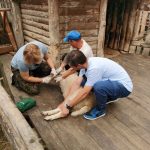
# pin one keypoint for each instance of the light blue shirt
(18, 59)
(105, 69)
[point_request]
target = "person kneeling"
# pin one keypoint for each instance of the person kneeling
(30, 66)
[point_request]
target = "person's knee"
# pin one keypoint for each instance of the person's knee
(100, 88)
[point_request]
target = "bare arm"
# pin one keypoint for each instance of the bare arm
(81, 95)
(49, 60)
(27, 77)
(68, 72)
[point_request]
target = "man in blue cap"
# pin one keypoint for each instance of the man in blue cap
(75, 40)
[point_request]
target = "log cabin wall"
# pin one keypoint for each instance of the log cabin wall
(81, 15)
(35, 22)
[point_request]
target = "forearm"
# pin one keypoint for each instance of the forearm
(50, 63)
(33, 79)
(68, 72)
(80, 97)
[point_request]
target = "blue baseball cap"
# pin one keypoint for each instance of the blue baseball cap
(72, 35)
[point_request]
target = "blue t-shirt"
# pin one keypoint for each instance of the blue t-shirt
(18, 59)
(105, 69)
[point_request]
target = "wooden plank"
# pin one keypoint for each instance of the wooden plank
(143, 21)
(79, 26)
(5, 9)
(9, 31)
(130, 28)
(35, 13)
(14, 124)
(35, 19)
(127, 121)
(124, 29)
(35, 7)
(78, 11)
(37, 36)
(80, 18)
(146, 51)
(6, 49)
(36, 24)
(17, 24)
(102, 26)
(29, 39)
(80, 4)
(35, 2)
(35, 30)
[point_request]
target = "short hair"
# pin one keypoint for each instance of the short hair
(32, 54)
(75, 57)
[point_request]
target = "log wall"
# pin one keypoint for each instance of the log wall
(35, 20)
(80, 15)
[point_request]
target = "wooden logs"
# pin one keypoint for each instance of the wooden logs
(17, 130)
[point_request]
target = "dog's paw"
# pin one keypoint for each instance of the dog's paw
(45, 113)
(49, 118)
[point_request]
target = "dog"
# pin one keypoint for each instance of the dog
(81, 108)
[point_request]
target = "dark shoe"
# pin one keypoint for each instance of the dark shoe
(95, 113)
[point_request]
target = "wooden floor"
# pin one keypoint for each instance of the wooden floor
(126, 125)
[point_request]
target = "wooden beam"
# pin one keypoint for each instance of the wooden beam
(16, 24)
(5, 49)
(54, 37)
(8, 29)
(102, 25)
(35, 13)
(130, 28)
(36, 24)
(35, 19)
(19, 133)
(37, 36)
(36, 30)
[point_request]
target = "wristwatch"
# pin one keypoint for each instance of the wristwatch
(69, 108)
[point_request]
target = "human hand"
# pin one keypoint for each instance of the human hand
(64, 111)
(53, 72)
(58, 70)
(46, 79)
(58, 79)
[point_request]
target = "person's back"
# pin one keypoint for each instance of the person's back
(106, 69)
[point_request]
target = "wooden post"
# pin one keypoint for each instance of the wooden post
(16, 24)
(102, 25)
(131, 23)
(53, 29)
(16, 128)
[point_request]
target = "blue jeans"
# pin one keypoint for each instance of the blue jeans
(108, 91)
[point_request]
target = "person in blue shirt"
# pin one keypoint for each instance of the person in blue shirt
(30, 66)
(107, 79)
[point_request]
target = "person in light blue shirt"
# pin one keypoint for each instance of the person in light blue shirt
(32, 65)
(107, 79)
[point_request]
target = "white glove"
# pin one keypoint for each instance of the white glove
(58, 79)
(46, 79)
(59, 70)
(53, 72)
